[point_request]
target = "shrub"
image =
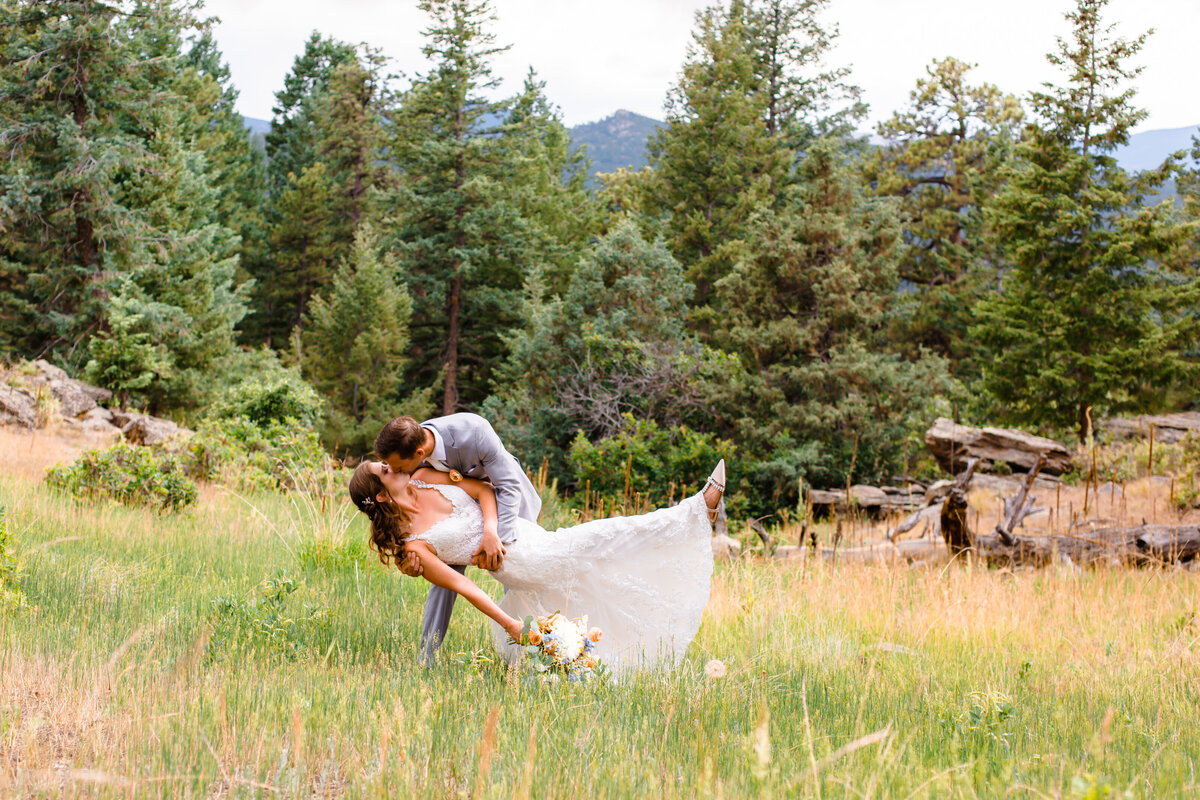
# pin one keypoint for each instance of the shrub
(644, 461)
(272, 396)
(128, 474)
(11, 596)
(266, 621)
(244, 454)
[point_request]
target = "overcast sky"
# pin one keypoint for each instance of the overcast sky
(597, 56)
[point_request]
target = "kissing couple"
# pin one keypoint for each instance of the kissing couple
(446, 493)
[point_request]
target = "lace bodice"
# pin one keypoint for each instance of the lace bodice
(458, 536)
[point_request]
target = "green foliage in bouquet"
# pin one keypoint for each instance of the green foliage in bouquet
(128, 474)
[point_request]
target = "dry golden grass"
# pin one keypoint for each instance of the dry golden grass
(125, 678)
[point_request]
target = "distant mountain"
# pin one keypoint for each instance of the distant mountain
(620, 140)
(1148, 149)
(616, 141)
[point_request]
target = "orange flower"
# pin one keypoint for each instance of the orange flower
(535, 637)
(595, 634)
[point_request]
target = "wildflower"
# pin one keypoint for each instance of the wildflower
(715, 669)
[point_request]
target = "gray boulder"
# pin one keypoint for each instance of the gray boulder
(146, 430)
(72, 399)
(17, 407)
(1168, 428)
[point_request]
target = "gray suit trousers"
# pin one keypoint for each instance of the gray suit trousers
(438, 607)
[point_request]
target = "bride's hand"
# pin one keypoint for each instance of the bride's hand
(514, 627)
(410, 565)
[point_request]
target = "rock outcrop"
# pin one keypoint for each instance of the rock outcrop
(1168, 428)
(146, 430)
(953, 445)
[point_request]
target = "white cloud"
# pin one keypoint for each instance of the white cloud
(598, 57)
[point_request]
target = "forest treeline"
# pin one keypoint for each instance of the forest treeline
(772, 287)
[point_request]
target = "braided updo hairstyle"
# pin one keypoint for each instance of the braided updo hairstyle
(390, 524)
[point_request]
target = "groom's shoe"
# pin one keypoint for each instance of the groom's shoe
(717, 515)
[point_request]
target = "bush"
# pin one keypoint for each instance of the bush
(244, 454)
(128, 474)
(273, 398)
(11, 596)
(643, 461)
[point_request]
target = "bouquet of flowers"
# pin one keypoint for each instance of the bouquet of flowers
(557, 647)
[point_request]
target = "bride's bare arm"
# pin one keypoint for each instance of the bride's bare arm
(437, 573)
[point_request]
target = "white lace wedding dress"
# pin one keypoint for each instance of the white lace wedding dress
(644, 580)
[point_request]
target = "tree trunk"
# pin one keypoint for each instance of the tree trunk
(450, 394)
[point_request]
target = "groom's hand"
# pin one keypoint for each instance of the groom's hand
(410, 565)
(490, 554)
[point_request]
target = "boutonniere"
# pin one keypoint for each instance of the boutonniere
(455, 476)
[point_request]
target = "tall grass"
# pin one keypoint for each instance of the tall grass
(254, 648)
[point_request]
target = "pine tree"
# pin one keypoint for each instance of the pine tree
(549, 183)
(236, 167)
(807, 311)
(324, 152)
(292, 141)
(305, 248)
(1094, 313)
(715, 161)
(354, 346)
(459, 232)
(944, 159)
(803, 97)
(73, 92)
(104, 188)
(613, 343)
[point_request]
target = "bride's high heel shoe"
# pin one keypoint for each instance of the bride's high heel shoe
(717, 479)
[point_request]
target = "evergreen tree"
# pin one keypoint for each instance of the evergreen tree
(350, 139)
(103, 187)
(944, 159)
(305, 249)
(612, 344)
(236, 167)
(715, 160)
(549, 183)
(802, 96)
(807, 304)
(325, 155)
(354, 346)
(462, 240)
(1094, 312)
(292, 142)
(73, 92)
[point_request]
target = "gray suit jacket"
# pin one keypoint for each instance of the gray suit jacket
(474, 449)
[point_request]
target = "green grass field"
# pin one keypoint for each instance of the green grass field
(254, 648)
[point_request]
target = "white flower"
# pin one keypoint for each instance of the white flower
(569, 638)
(715, 669)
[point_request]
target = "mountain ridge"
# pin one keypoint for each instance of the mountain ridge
(619, 140)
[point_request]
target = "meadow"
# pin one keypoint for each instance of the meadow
(254, 648)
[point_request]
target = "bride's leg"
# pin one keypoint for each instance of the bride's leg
(714, 490)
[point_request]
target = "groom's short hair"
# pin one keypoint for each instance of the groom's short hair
(401, 437)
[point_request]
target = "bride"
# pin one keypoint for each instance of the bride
(643, 580)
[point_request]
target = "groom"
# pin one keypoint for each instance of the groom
(466, 445)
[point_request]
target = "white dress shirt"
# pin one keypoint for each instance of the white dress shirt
(437, 459)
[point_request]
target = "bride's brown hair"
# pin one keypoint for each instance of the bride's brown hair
(390, 524)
